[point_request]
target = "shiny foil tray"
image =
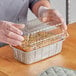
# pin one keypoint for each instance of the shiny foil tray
(42, 40)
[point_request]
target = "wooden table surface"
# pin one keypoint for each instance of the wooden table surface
(67, 58)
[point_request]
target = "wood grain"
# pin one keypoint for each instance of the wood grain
(67, 58)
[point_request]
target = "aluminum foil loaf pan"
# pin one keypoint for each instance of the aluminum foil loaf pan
(41, 40)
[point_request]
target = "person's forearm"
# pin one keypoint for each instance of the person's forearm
(38, 4)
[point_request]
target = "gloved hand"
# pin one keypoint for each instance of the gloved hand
(52, 16)
(10, 33)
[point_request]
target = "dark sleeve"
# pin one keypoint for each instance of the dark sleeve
(32, 2)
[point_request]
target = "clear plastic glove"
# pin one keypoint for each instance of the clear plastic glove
(10, 33)
(52, 16)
